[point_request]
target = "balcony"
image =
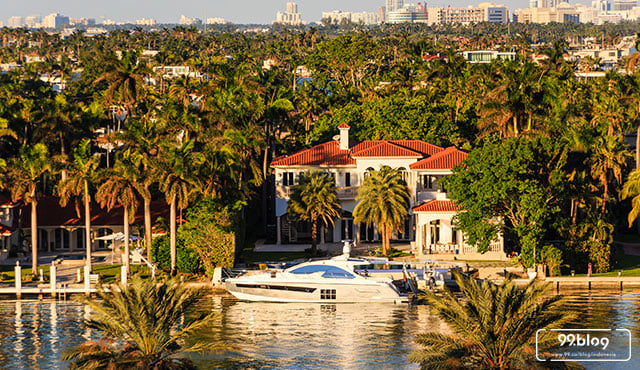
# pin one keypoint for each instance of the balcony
(347, 192)
(283, 191)
(344, 193)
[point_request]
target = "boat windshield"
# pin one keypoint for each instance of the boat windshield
(328, 271)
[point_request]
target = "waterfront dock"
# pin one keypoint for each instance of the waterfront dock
(561, 283)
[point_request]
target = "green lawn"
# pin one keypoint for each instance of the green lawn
(7, 274)
(630, 265)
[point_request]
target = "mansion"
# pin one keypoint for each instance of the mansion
(428, 226)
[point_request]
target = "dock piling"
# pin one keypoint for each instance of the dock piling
(52, 279)
(18, 277)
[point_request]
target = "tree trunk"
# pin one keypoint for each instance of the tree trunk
(638, 146)
(314, 236)
(604, 197)
(126, 240)
(34, 236)
(515, 126)
(87, 224)
(172, 234)
(147, 226)
(383, 228)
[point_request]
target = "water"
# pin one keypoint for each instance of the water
(287, 336)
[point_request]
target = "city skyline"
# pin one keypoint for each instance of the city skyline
(164, 11)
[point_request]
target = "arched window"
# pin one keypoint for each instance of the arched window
(368, 171)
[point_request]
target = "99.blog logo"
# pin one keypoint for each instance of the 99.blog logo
(583, 345)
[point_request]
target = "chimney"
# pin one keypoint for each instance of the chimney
(344, 136)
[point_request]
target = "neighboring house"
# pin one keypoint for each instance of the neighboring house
(429, 223)
(169, 72)
(60, 228)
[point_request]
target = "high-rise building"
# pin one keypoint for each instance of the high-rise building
(391, 5)
(601, 5)
(16, 22)
(382, 13)
(290, 16)
(407, 14)
(484, 12)
(54, 20)
(146, 22)
(338, 17)
(187, 21)
(33, 21)
(624, 5)
(216, 21)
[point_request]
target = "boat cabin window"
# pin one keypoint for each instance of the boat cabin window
(328, 271)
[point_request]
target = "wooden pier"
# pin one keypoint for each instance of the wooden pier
(590, 283)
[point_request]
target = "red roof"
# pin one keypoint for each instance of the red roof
(50, 213)
(436, 206)
(5, 200)
(443, 160)
(328, 153)
(384, 149)
(344, 125)
(5, 230)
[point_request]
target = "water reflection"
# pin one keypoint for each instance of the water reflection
(285, 336)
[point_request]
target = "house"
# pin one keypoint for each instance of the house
(428, 227)
(61, 228)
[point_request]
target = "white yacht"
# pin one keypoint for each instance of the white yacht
(324, 281)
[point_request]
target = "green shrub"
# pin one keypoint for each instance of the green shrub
(187, 260)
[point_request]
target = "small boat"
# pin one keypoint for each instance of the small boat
(325, 281)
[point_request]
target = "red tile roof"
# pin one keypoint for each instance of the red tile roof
(5, 230)
(443, 160)
(344, 125)
(436, 206)
(328, 153)
(384, 149)
(50, 213)
(5, 200)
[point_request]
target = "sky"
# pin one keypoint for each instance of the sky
(236, 11)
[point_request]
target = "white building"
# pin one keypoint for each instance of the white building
(33, 21)
(407, 14)
(391, 5)
(215, 21)
(146, 22)
(428, 226)
(290, 16)
(337, 16)
(486, 56)
(54, 20)
(169, 72)
(15, 22)
(186, 21)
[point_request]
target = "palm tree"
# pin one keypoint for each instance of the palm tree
(494, 326)
(383, 200)
(607, 162)
(631, 189)
(119, 187)
(24, 176)
(175, 174)
(80, 176)
(142, 326)
(315, 199)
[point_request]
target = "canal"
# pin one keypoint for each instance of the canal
(288, 336)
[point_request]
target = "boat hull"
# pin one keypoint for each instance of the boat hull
(312, 292)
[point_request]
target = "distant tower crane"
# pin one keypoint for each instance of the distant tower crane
(424, 10)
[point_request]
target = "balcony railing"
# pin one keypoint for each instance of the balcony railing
(347, 192)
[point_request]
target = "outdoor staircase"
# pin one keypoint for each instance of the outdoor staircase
(290, 232)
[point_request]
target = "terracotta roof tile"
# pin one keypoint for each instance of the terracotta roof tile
(50, 213)
(344, 125)
(443, 160)
(5, 200)
(328, 153)
(5, 230)
(436, 206)
(384, 149)
(419, 146)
